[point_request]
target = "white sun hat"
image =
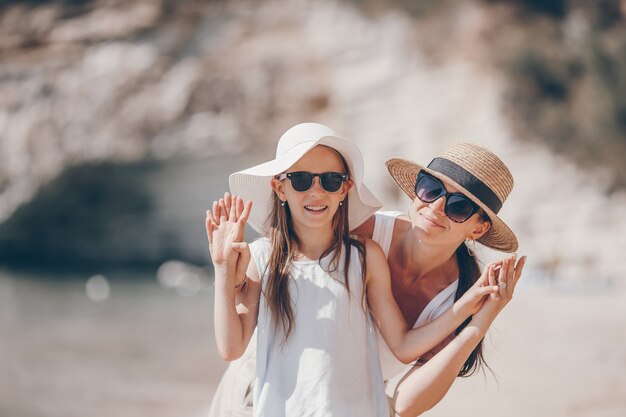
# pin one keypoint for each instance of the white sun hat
(254, 183)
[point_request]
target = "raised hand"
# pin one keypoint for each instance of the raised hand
(225, 230)
(506, 277)
(229, 203)
(474, 298)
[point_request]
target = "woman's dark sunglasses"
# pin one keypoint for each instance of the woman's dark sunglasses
(458, 207)
(302, 181)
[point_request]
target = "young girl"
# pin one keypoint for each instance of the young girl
(311, 287)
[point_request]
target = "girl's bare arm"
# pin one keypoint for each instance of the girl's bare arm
(408, 345)
(237, 283)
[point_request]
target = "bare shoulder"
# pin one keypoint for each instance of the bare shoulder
(373, 246)
(375, 255)
(376, 262)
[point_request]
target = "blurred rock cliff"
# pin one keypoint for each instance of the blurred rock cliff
(120, 121)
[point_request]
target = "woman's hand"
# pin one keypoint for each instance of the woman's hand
(474, 298)
(225, 231)
(506, 277)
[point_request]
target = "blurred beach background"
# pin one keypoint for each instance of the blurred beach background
(121, 121)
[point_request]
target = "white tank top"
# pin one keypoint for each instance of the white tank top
(328, 365)
(383, 232)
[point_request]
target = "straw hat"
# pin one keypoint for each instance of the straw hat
(254, 183)
(477, 173)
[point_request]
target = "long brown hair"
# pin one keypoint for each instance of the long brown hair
(284, 248)
(469, 272)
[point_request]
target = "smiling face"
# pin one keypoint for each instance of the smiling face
(434, 227)
(315, 207)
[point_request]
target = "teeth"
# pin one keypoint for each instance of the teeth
(315, 208)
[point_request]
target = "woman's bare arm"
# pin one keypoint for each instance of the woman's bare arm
(424, 386)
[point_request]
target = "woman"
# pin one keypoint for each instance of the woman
(455, 199)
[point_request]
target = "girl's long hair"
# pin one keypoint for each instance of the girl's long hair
(285, 243)
(469, 272)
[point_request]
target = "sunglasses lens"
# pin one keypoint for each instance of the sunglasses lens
(428, 189)
(331, 181)
(301, 181)
(459, 208)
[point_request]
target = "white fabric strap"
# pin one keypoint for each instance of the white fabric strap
(383, 229)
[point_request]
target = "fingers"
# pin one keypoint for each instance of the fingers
(484, 278)
(239, 207)
(242, 261)
(241, 222)
(508, 277)
(217, 211)
(244, 250)
(240, 247)
(210, 216)
(230, 208)
(227, 203)
(490, 289)
(518, 268)
(492, 280)
(503, 274)
(233, 208)
(511, 270)
(246, 212)
(517, 273)
(223, 212)
(209, 226)
(503, 278)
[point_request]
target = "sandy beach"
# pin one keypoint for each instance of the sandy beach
(553, 355)
(148, 351)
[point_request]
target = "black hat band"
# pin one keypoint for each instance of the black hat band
(468, 181)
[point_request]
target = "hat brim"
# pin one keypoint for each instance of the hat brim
(404, 173)
(254, 183)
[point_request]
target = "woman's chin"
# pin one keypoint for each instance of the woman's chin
(427, 232)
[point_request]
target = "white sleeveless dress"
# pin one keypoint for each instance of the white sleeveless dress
(383, 231)
(327, 367)
(233, 399)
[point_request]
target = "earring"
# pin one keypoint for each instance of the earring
(341, 203)
(470, 244)
(282, 203)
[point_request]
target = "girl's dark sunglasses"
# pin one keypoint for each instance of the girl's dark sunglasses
(302, 181)
(458, 207)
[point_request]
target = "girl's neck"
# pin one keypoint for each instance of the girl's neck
(313, 242)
